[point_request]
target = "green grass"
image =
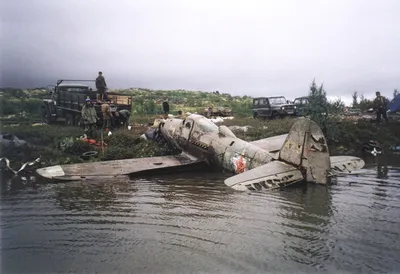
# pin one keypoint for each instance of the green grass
(46, 140)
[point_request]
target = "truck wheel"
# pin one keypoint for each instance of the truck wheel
(45, 116)
(77, 120)
(69, 120)
(274, 116)
(255, 115)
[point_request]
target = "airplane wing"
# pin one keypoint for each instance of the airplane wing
(115, 168)
(273, 175)
(271, 144)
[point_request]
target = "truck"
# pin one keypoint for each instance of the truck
(272, 107)
(67, 97)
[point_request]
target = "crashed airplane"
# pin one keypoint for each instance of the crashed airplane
(275, 162)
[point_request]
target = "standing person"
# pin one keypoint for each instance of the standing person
(165, 107)
(209, 112)
(89, 117)
(106, 111)
(101, 85)
(380, 106)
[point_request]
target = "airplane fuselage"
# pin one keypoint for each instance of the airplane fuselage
(201, 138)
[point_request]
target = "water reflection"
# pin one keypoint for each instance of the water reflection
(307, 218)
(380, 190)
(382, 167)
(85, 196)
(11, 185)
(194, 223)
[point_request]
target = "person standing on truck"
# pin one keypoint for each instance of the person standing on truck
(101, 85)
(380, 106)
(89, 117)
(106, 111)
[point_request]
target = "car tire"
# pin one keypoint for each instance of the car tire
(274, 115)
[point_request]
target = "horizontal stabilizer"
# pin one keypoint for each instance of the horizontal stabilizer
(275, 174)
(346, 164)
(271, 144)
(115, 168)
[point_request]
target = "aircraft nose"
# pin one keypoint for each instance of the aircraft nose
(51, 172)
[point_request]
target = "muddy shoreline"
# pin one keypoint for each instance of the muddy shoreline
(57, 144)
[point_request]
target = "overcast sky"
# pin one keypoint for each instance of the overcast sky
(264, 47)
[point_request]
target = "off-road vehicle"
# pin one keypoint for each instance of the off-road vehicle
(301, 106)
(272, 107)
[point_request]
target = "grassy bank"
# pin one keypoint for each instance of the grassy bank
(62, 145)
(344, 137)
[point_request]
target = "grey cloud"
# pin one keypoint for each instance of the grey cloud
(240, 47)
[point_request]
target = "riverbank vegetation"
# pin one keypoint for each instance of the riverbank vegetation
(63, 145)
(149, 102)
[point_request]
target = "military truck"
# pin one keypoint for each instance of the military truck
(67, 98)
(272, 107)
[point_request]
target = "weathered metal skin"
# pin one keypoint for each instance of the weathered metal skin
(276, 162)
(301, 155)
(217, 145)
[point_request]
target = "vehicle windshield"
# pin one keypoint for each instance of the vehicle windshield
(74, 89)
(301, 101)
(207, 125)
(277, 100)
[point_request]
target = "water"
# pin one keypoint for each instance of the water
(194, 224)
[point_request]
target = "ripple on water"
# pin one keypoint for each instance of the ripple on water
(195, 224)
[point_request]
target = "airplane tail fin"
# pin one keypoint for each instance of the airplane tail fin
(304, 156)
(306, 148)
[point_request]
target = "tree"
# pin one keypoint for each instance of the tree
(318, 105)
(395, 93)
(355, 97)
(364, 103)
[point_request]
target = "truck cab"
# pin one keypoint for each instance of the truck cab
(272, 107)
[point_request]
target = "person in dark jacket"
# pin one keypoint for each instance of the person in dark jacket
(380, 106)
(101, 85)
(165, 107)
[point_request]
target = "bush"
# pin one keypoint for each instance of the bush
(11, 105)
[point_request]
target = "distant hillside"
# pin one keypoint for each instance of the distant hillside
(149, 101)
(145, 101)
